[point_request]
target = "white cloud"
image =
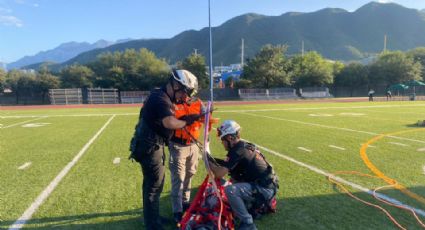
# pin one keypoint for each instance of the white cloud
(5, 10)
(35, 5)
(384, 1)
(20, 1)
(9, 20)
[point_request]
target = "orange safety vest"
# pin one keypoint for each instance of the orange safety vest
(194, 129)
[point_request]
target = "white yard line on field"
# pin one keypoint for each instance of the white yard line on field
(24, 166)
(116, 161)
(393, 112)
(318, 108)
(336, 147)
(305, 149)
(223, 111)
(399, 144)
(341, 180)
(22, 116)
(218, 111)
(72, 115)
(49, 189)
(23, 122)
(332, 127)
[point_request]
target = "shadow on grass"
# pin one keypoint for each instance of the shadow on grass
(415, 125)
(131, 219)
(327, 211)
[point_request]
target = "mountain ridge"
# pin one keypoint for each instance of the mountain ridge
(335, 33)
(61, 53)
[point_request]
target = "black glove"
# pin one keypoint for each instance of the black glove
(190, 118)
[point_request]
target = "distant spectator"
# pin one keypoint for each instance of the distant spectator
(221, 84)
(389, 95)
(371, 92)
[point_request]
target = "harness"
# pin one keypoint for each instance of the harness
(269, 180)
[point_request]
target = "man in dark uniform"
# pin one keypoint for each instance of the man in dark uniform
(155, 128)
(250, 173)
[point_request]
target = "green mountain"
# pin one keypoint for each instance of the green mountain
(335, 33)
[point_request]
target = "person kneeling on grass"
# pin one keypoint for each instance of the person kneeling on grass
(253, 178)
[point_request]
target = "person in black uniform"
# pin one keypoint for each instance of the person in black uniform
(250, 173)
(154, 129)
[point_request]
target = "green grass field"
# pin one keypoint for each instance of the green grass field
(304, 142)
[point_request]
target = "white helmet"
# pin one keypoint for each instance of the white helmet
(228, 127)
(187, 80)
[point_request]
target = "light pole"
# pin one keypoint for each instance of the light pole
(211, 65)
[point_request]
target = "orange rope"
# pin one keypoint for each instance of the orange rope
(398, 206)
(344, 189)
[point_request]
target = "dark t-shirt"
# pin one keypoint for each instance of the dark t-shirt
(157, 107)
(244, 164)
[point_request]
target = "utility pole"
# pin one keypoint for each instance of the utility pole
(242, 53)
(385, 43)
(302, 48)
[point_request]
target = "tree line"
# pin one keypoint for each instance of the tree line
(269, 68)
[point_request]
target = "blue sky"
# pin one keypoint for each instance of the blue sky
(30, 26)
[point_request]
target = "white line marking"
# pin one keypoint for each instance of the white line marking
(341, 180)
(333, 127)
(318, 108)
(421, 150)
(305, 149)
(72, 115)
(49, 189)
(320, 115)
(23, 122)
(352, 114)
(399, 144)
(34, 125)
(24, 166)
(218, 111)
(116, 161)
(336, 147)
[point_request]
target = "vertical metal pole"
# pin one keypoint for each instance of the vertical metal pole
(242, 53)
(211, 65)
(385, 43)
(302, 48)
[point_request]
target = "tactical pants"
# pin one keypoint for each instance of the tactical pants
(153, 166)
(183, 165)
(239, 194)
